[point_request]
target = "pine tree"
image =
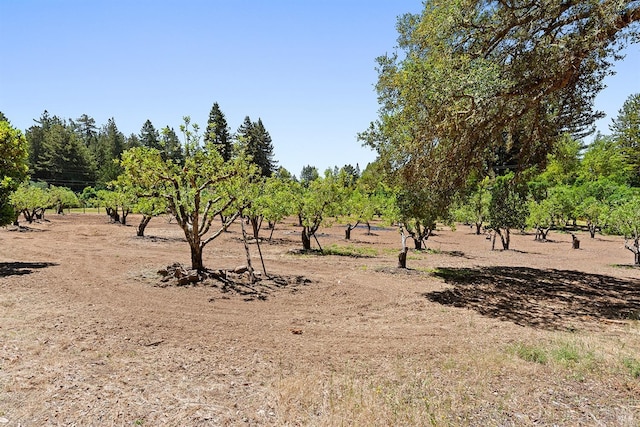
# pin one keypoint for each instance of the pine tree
(171, 147)
(64, 160)
(149, 136)
(626, 133)
(85, 127)
(109, 147)
(217, 132)
(256, 142)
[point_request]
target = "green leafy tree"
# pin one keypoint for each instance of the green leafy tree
(62, 198)
(603, 159)
(218, 134)
(594, 212)
(475, 76)
(309, 174)
(139, 199)
(117, 203)
(508, 208)
(316, 205)
(149, 136)
(13, 166)
(110, 145)
(64, 159)
(541, 217)
(85, 127)
(275, 202)
(626, 133)
(625, 220)
(473, 208)
(255, 142)
(196, 192)
(171, 146)
(31, 200)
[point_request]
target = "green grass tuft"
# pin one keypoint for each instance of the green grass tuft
(350, 251)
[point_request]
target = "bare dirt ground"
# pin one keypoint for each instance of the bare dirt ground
(539, 335)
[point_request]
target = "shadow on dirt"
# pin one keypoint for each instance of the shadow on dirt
(21, 268)
(547, 299)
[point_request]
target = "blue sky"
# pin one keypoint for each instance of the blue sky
(307, 69)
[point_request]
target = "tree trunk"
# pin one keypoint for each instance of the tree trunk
(635, 248)
(478, 227)
(256, 222)
(402, 258)
(123, 218)
(306, 239)
(368, 228)
(252, 276)
(575, 244)
(347, 231)
(143, 225)
(592, 230)
(417, 243)
(196, 256)
(505, 238)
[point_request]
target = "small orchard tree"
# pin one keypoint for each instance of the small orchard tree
(61, 198)
(358, 208)
(540, 217)
(13, 167)
(30, 200)
(274, 201)
(317, 204)
(419, 209)
(474, 208)
(625, 220)
(594, 212)
(508, 208)
(196, 191)
(117, 203)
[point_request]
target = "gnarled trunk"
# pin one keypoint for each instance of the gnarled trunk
(143, 225)
(635, 248)
(505, 237)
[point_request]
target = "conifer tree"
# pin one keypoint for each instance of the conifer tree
(256, 142)
(149, 136)
(217, 132)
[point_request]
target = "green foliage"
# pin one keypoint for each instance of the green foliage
(13, 166)
(317, 204)
(604, 160)
(508, 207)
(255, 142)
(204, 187)
(475, 78)
(217, 132)
(473, 207)
(624, 219)
(563, 163)
(626, 134)
(149, 136)
(31, 201)
(62, 198)
(308, 174)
